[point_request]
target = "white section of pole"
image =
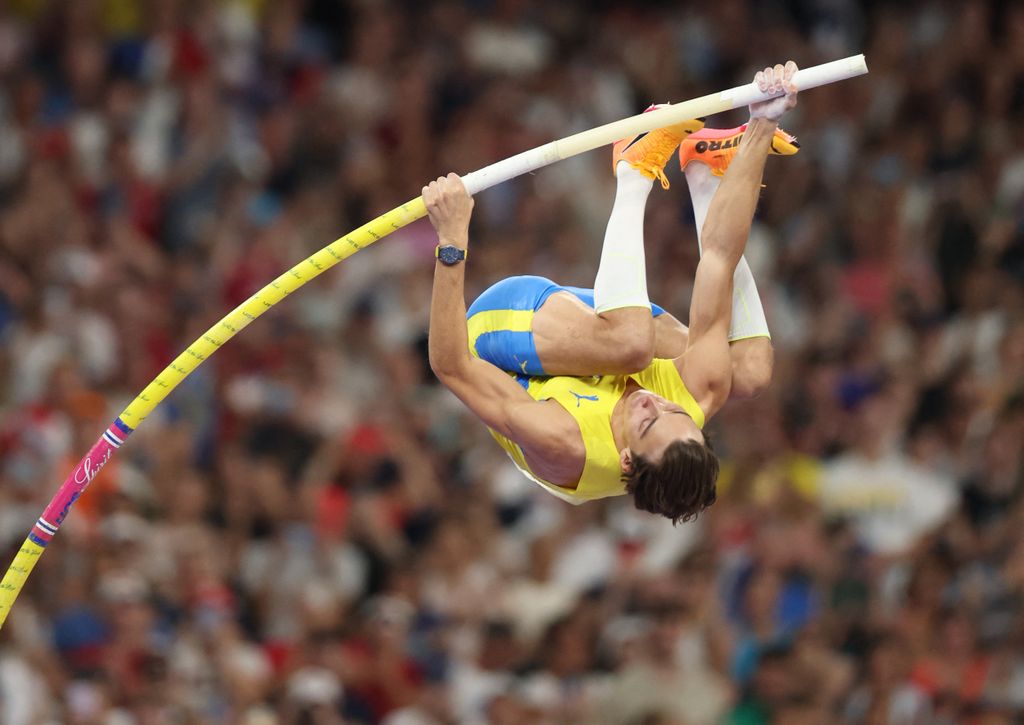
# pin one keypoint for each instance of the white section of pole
(527, 161)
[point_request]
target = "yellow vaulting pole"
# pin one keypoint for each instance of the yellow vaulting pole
(47, 525)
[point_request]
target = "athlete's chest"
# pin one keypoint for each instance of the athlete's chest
(553, 445)
(597, 393)
(580, 412)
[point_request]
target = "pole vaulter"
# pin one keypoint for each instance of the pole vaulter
(116, 435)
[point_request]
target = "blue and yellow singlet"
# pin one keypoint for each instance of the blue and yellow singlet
(500, 332)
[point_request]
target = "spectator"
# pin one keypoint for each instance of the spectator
(310, 529)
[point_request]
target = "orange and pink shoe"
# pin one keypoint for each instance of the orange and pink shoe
(649, 152)
(716, 147)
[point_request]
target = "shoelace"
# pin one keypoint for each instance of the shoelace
(659, 146)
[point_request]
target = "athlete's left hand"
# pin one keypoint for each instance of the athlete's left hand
(450, 207)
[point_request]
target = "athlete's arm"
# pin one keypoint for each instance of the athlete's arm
(706, 366)
(490, 393)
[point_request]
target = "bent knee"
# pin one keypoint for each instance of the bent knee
(752, 365)
(629, 339)
(634, 354)
(632, 350)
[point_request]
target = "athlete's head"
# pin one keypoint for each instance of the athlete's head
(668, 465)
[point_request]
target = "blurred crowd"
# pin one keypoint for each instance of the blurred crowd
(311, 530)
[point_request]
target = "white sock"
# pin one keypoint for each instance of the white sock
(748, 318)
(622, 274)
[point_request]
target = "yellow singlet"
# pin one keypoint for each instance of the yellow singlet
(591, 402)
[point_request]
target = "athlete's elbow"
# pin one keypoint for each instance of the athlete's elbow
(444, 363)
(444, 367)
(720, 246)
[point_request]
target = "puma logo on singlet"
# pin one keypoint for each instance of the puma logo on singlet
(581, 398)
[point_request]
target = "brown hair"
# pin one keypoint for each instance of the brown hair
(680, 485)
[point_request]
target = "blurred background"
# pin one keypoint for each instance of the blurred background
(312, 530)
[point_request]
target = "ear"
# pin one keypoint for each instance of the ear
(626, 460)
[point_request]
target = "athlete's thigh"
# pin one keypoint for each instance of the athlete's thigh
(571, 339)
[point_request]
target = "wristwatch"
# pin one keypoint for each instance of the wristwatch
(449, 255)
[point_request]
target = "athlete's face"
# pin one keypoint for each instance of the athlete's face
(652, 423)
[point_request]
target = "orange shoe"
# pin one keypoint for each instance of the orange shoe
(649, 152)
(716, 147)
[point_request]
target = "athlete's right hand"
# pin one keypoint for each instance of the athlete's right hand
(449, 207)
(778, 79)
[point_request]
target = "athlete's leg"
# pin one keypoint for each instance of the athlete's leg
(753, 360)
(750, 345)
(500, 326)
(617, 334)
(573, 338)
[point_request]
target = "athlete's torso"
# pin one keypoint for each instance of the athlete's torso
(591, 402)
